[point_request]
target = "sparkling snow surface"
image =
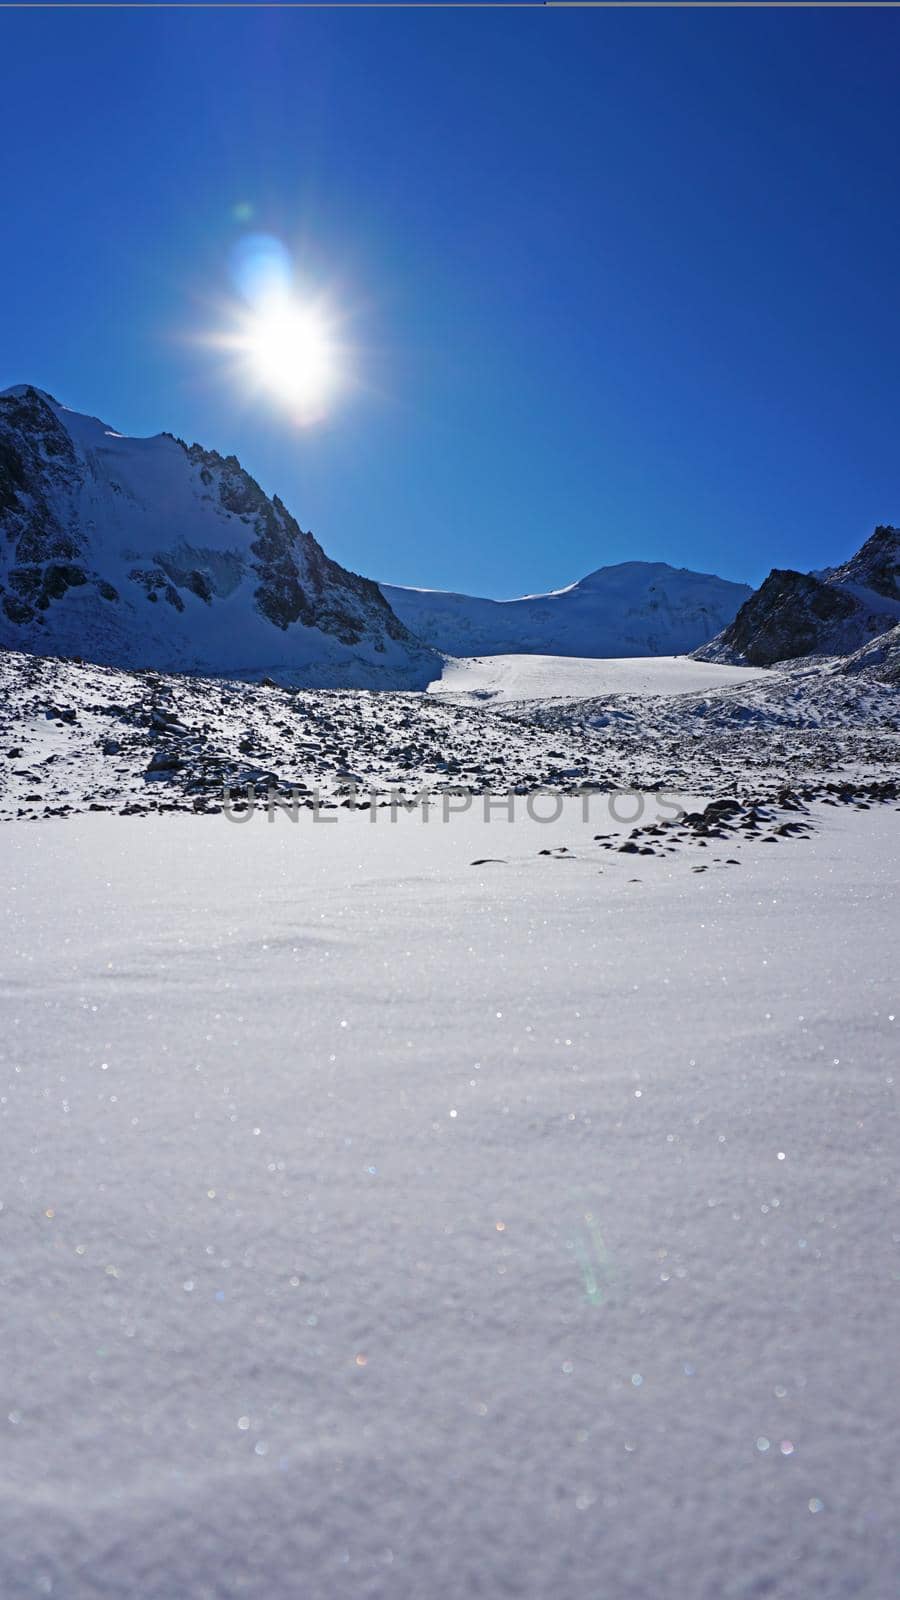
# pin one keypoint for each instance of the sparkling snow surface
(381, 1225)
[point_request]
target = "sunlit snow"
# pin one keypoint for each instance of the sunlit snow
(378, 1224)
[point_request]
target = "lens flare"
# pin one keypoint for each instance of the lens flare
(261, 268)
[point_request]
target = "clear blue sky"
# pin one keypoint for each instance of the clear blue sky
(625, 285)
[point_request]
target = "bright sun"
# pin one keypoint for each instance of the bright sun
(282, 340)
(292, 353)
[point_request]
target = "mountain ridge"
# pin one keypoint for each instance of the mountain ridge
(155, 553)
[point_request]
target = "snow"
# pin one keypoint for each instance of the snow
(381, 1225)
(532, 677)
(637, 608)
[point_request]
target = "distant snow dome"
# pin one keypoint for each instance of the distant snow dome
(637, 608)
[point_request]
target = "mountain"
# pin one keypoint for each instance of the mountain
(153, 553)
(830, 613)
(638, 608)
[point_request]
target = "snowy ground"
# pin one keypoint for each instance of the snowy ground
(381, 1226)
(516, 677)
(75, 736)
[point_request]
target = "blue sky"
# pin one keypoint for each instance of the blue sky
(621, 285)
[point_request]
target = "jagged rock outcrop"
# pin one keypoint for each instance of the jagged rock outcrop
(795, 614)
(876, 565)
(153, 553)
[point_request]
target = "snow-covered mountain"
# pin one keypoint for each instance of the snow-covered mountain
(153, 553)
(638, 608)
(830, 613)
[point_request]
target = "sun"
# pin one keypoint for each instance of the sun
(291, 352)
(284, 338)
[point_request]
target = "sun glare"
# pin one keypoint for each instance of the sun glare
(291, 353)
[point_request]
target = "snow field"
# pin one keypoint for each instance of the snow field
(532, 677)
(380, 1225)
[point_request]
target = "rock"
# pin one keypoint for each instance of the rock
(164, 761)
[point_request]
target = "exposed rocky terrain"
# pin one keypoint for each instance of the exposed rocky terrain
(785, 813)
(875, 566)
(796, 614)
(75, 736)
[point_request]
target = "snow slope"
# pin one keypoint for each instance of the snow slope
(638, 608)
(150, 553)
(380, 1226)
(531, 677)
(880, 656)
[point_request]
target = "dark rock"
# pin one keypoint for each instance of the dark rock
(164, 761)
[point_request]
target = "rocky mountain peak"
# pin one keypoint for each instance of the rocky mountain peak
(876, 564)
(795, 614)
(152, 552)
